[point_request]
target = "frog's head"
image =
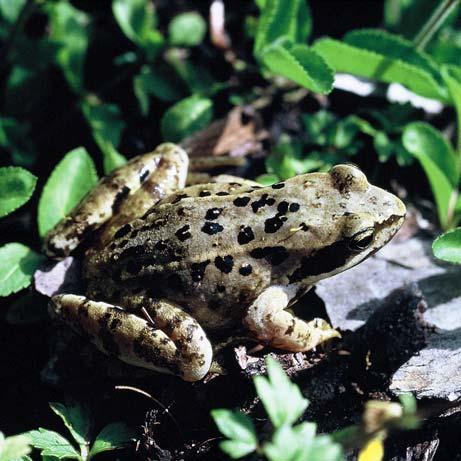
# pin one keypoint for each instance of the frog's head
(350, 220)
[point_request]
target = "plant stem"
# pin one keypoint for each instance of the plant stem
(434, 23)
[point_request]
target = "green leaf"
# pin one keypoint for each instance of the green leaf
(73, 177)
(138, 21)
(77, 419)
(187, 29)
(14, 447)
(114, 436)
(343, 57)
(53, 444)
(286, 19)
(448, 246)
(430, 148)
(300, 64)
(158, 83)
(16, 187)
(17, 268)
(185, 117)
(452, 77)
(10, 10)
(107, 126)
(239, 429)
(69, 28)
(281, 398)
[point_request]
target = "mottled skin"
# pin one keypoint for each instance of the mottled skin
(213, 256)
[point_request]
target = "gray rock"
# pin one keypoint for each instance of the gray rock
(351, 297)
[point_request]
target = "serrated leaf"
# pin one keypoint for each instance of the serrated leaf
(107, 126)
(53, 444)
(114, 436)
(419, 139)
(187, 29)
(393, 47)
(17, 268)
(73, 177)
(448, 246)
(185, 117)
(281, 398)
(76, 418)
(286, 19)
(343, 57)
(300, 64)
(68, 28)
(239, 429)
(16, 187)
(14, 447)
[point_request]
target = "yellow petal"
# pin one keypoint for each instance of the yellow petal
(372, 451)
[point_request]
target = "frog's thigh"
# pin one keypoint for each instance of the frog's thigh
(182, 350)
(128, 192)
(273, 325)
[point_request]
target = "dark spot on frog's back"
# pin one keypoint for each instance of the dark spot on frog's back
(224, 263)
(273, 224)
(241, 201)
(212, 228)
(274, 255)
(213, 213)
(282, 207)
(183, 233)
(179, 198)
(204, 193)
(246, 270)
(143, 176)
(279, 185)
(198, 270)
(245, 235)
(262, 202)
(294, 207)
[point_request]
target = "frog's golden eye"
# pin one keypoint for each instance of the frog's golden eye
(362, 240)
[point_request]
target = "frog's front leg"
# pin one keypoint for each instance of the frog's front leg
(268, 320)
(168, 340)
(127, 193)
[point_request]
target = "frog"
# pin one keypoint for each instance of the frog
(167, 266)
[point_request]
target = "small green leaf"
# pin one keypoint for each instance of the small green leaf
(281, 398)
(268, 179)
(300, 64)
(239, 429)
(17, 268)
(114, 436)
(69, 28)
(185, 117)
(77, 419)
(73, 177)
(107, 126)
(156, 82)
(344, 57)
(53, 444)
(438, 161)
(16, 187)
(448, 246)
(138, 21)
(187, 29)
(14, 447)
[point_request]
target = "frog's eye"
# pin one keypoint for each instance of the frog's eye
(362, 240)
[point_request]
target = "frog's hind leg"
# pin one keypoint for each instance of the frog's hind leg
(268, 320)
(168, 340)
(127, 193)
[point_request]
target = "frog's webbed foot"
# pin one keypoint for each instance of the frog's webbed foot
(127, 193)
(268, 320)
(168, 340)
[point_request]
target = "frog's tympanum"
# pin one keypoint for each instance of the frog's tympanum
(165, 264)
